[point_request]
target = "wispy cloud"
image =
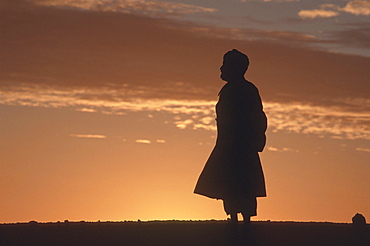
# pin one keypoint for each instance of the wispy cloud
(117, 69)
(357, 7)
(129, 6)
(363, 149)
(88, 110)
(315, 13)
(331, 10)
(354, 35)
(254, 34)
(349, 121)
(318, 120)
(143, 141)
(87, 136)
(147, 141)
(284, 149)
(279, 1)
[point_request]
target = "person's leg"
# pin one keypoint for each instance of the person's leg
(230, 209)
(249, 209)
(234, 218)
(246, 218)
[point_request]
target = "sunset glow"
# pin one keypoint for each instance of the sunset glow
(107, 107)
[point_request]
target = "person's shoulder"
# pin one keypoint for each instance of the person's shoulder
(250, 88)
(235, 89)
(250, 85)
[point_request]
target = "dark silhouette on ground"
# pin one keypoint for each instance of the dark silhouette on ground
(358, 220)
(233, 171)
(181, 233)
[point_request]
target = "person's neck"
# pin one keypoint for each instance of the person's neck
(238, 80)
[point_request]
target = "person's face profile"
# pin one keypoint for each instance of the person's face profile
(227, 71)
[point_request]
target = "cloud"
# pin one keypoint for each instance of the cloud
(103, 62)
(87, 136)
(279, 1)
(183, 124)
(307, 119)
(143, 141)
(152, 8)
(363, 149)
(315, 13)
(349, 120)
(270, 148)
(353, 35)
(88, 110)
(331, 10)
(357, 8)
(284, 149)
(156, 58)
(254, 34)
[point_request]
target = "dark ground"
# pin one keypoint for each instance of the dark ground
(183, 233)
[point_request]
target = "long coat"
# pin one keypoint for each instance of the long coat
(233, 170)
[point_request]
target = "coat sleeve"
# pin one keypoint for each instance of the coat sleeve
(258, 120)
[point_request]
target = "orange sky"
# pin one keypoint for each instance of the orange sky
(109, 116)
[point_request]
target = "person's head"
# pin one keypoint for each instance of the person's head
(234, 66)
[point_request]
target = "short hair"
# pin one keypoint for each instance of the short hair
(237, 59)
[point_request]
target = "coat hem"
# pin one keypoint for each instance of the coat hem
(220, 198)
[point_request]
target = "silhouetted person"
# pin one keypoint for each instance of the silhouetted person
(233, 171)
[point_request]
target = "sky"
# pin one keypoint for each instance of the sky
(107, 106)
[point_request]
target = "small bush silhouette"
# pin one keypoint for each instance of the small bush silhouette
(358, 220)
